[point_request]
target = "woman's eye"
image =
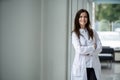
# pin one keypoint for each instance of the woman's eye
(80, 16)
(83, 16)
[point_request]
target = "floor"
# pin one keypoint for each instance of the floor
(111, 73)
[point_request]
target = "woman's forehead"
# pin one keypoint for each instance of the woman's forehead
(83, 14)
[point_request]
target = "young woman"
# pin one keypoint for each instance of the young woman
(87, 45)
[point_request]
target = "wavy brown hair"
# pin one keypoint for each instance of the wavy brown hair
(77, 25)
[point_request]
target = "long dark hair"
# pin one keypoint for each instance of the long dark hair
(77, 25)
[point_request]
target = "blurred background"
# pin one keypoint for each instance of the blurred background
(35, 37)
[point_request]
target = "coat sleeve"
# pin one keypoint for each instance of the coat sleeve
(98, 43)
(81, 49)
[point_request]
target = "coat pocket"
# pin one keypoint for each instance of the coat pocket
(76, 70)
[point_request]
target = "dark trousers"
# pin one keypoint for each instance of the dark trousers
(91, 74)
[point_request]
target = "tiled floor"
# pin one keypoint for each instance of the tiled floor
(112, 73)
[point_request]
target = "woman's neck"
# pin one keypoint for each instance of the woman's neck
(82, 27)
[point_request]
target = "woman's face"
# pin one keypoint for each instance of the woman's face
(83, 19)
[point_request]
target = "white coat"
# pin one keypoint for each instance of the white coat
(84, 46)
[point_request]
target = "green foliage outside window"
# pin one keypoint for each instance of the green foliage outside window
(107, 15)
(109, 12)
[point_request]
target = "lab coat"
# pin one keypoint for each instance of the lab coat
(84, 46)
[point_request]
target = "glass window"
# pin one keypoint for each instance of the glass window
(107, 23)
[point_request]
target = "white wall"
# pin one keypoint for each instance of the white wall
(33, 39)
(20, 40)
(0, 45)
(54, 39)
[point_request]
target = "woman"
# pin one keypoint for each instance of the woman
(87, 45)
